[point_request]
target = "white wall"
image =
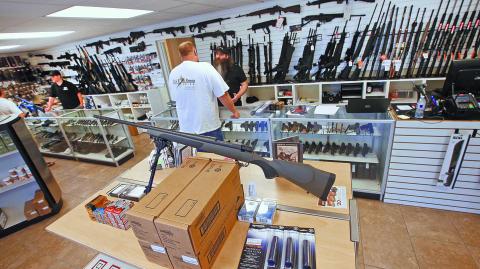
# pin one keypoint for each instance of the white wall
(240, 25)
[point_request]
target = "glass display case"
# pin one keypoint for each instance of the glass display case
(28, 191)
(362, 139)
(250, 130)
(76, 134)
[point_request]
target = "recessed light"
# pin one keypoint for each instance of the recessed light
(98, 12)
(9, 47)
(27, 35)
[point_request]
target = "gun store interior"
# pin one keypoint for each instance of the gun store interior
(198, 134)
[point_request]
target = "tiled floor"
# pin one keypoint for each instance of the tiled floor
(392, 236)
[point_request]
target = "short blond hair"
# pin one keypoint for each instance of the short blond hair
(186, 48)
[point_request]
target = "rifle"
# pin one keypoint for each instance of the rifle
(315, 181)
(322, 18)
(448, 41)
(417, 49)
(349, 52)
(336, 55)
(122, 40)
(284, 62)
(355, 49)
(443, 37)
(251, 61)
(259, 71)
(67, 56)
(396, 48)
(139, 47)
(61, 64)
(50, 57)
(453, 43)
(169, 30)
(306, 61)
(216, 34)
(269, 74)
(409, 42)
(266, 25)
(319, 2)
(376, 45)
(272, 11)
(325, 57)
(113, 51)
(467, 35)
(384, 55)
(98, 45)
(473, 33)
(265, 60)
(134, 36)
(369, 46)
(432, 40)
(202, 25)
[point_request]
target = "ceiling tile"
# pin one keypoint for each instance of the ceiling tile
(24, 10)
(154, 5)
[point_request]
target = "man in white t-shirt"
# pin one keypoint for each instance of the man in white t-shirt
(8, 107)
(195, 87)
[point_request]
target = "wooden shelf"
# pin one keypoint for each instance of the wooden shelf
(16, 185)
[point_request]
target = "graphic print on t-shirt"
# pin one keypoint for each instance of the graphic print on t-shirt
(185, 82)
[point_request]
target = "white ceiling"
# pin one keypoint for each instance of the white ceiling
(29, 16)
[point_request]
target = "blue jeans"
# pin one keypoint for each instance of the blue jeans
(217, 134)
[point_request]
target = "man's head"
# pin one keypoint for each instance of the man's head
(56, 76)
(222, 54)
(3, 92)
(188, 52)
(223, 62)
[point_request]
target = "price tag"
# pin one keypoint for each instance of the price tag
(397, 63)
(280, 22)
(367, 166)
(425, 55)
(386, 64)
(353, 168)
(312, 48)
(350, 63)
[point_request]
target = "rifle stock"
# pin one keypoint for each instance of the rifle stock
(315, 181)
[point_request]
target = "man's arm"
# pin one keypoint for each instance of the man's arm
(51, 102)
(241, 91)
(228, 103)
(80, 98)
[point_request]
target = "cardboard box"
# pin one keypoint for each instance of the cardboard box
(143, 214)
(212, 245)
(155, 253)
(200, 209)
(29, 210)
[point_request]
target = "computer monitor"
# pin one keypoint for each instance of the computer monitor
(463, 77)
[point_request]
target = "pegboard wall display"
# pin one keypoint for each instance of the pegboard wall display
(290, 41)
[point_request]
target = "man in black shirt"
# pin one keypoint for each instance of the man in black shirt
(232, 74)
(67, 92)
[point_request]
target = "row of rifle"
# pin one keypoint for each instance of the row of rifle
(254, 61)
(234, 48)
(388, 50)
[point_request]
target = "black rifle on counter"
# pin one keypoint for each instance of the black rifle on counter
(121, 40)
(117, 50)
(272, 10)
(216, 34)
(305, 63)
(266, 25)
(312, 180)
(139, 47)
(281, 68)
(98, 45)
(169, 30)
(200, 26)
(322, 18)
(47, 56)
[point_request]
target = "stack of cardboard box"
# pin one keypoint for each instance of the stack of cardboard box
(38, 206)
(184, 221)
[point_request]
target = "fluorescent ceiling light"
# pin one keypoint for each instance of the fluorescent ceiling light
(98, 12)
(9, 47)
(33, 35)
